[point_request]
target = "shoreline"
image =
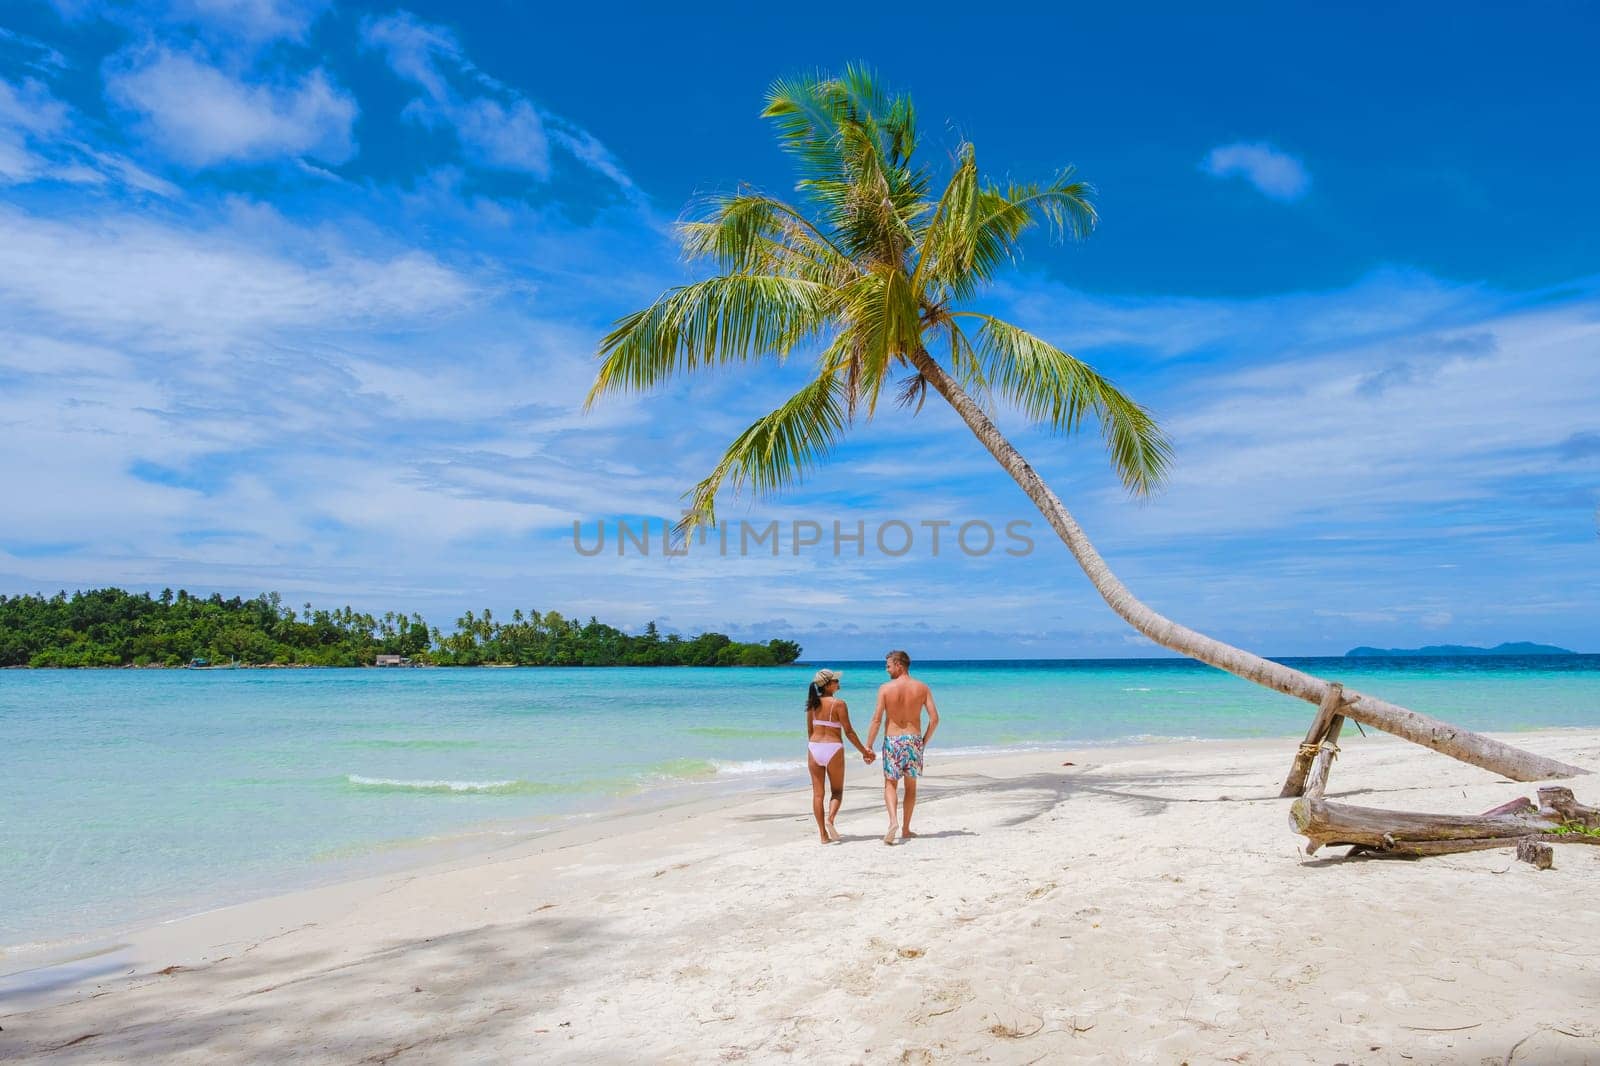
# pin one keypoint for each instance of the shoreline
(450, 850)
(1405, 656)
(416, 856)
(1165, 917)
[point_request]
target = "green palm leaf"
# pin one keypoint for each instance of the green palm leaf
(731, 318)
(1058, 390)
(777, 450)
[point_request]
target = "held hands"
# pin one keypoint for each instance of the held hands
(867, 757)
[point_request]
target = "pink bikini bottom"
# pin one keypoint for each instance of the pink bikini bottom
(823, 751)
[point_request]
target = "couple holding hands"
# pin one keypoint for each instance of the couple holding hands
(901, 701)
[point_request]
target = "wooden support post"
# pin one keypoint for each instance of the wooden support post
(1317, 782)
(1332, 700)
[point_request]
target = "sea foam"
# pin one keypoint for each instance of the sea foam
(499, 788)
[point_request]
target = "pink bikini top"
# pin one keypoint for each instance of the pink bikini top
(831, 725)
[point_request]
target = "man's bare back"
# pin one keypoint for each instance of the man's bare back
(901, 701)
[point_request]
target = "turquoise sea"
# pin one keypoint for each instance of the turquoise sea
(132, 796)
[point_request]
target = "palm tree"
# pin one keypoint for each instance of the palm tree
(877, 278)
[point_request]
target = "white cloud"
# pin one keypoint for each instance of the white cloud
(28, 113)
(1171, 327)
(39, 142)
(202, 116)
(414, 48)
(223, 22)
(251, 20)
(496, 125)
(587, 149)
(32, 52)
(1274, 173)
(1372, 438)
(123, 278)
(507, 136)
(29, 107)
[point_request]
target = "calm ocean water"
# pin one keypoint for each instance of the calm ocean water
(130, 796)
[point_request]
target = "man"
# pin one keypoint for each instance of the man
(900, 703)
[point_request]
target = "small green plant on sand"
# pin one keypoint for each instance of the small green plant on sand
(1575, 829)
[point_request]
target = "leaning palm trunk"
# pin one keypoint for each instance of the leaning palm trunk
(1451, 740)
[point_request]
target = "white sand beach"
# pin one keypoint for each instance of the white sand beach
(1141, 905)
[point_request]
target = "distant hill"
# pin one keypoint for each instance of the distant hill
(1521, 647)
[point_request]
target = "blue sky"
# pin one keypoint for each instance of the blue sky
(303, 297)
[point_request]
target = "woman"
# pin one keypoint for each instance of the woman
(827, 723)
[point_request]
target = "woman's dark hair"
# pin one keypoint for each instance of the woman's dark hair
(813, 697)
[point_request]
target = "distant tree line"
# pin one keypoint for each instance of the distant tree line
(111, 627)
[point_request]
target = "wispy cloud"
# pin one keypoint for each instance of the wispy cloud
(224, 22)
(33, 53)
(39, 142)
(251, 20)
(202, 116)
(28, 112)
(1386, 302)
(1275, 174)
(496, 125)
(124, 278)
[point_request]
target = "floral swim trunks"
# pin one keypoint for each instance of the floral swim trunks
(902, 756)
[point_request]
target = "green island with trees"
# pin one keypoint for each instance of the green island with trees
(112, 627)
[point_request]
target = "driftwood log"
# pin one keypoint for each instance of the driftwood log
(1412, 833)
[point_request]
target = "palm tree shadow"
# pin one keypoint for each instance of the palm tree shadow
(1040, 794)
(1028, 797)
(444, 995)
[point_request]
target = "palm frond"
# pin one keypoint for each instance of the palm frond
(881, 324)
(913, 393)
(900, 124)
(778, 449)
(1065, 203)
(945, 242)
(1058, 390)
(755, 234)
(979, 228)
(731, 318)
(806, 112)
(968, 368)
(854, 143)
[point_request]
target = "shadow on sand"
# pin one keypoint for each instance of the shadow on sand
(432, 997)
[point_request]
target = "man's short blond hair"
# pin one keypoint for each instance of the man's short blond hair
(899, 657)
